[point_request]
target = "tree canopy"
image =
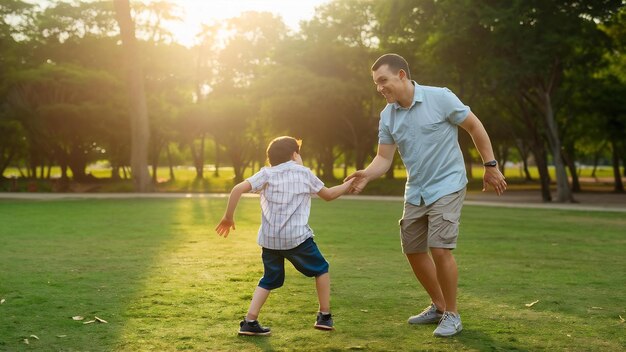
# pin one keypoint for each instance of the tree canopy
(547, 78)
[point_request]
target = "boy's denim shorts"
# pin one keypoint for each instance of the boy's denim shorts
(306, 258)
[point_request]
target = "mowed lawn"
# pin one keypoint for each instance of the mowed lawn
(161, 278)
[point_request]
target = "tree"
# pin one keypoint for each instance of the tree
(140, 133)
(63, 109)
(327, 83)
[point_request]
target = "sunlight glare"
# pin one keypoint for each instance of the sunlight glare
(198, 12)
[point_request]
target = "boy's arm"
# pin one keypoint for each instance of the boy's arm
(223, 228)
(329, 194)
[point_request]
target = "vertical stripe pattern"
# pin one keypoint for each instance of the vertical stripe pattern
(285, 191)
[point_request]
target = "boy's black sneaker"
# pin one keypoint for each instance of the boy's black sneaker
(324, 322)
(252, 328)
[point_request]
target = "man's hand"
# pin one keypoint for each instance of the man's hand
(223, 228)
(495, 179)
(359, 183)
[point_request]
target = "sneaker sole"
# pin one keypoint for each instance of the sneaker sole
(323, 327)
(250, 333)
(441, 335)
(424, 322)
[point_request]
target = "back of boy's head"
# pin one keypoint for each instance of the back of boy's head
(281, 150)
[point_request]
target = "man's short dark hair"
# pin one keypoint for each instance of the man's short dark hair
(281, 149)
(395, 63)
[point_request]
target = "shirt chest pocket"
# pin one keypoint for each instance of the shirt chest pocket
(432, 133)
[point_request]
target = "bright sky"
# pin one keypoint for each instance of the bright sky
(205, 11)
(197, 12)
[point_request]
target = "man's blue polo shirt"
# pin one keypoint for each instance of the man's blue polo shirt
(427, 137)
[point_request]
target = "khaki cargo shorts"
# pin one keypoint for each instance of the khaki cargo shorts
(432, 226)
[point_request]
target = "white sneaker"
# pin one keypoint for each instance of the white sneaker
(449, 325)
(430, 315)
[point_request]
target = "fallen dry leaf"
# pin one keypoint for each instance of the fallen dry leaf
(364, 310)
(531, 303)
(78, 317)
(26, 341)
(2, 301)
(100, 320)
(89, 322)
(597, 308)
(621, 320)
(35, 337)
(61, 336)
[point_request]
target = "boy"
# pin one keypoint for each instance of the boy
(285, 187)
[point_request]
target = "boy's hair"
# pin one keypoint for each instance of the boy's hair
(395, 63)
(281, 149)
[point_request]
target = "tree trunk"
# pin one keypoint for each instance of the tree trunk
(64, 176)
(359, 158)
(564, 194)
(216, 173)
(544, 175)
(140, 131)
(569, 157)
(328, 164)
(198, 158)
(154, 173)
(527, 175)
(156, 152)
(619, 186)
(170, 163)
(7, 161)
(77, 162)
(115, 172)
(236, 158)
(522, 148)
(78, 170)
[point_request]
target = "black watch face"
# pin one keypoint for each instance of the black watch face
(491, 163)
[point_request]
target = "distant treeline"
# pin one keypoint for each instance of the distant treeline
(547, 78)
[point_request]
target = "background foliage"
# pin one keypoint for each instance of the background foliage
(545, 77)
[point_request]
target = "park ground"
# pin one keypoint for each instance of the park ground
(151, 266)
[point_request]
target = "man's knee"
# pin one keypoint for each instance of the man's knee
(441, 253)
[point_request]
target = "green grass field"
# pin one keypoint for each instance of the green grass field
(163, 280)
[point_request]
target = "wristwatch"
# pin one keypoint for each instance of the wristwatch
(491, 163)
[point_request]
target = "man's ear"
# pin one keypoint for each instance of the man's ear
(294, 155)
(402, 74)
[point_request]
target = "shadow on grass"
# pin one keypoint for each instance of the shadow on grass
(263, 343)
(481, 341)
(74, 258)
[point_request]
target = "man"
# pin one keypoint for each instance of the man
(422, 123)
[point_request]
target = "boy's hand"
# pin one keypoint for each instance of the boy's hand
(345, 186)
(223, 228)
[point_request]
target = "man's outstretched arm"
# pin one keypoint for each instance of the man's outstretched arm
(381, 163)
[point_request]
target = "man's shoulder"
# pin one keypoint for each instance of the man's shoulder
(432, 90)
(387, 111)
